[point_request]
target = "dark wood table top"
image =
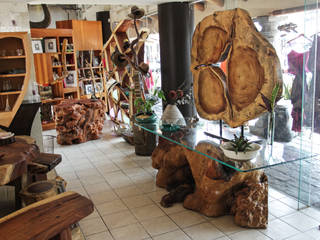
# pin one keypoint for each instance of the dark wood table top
(14, 158)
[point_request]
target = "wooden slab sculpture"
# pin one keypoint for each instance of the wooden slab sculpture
(78, 121)
(217, 190)
(253, 68)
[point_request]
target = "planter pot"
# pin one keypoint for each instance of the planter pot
(145, 141)
(240, 155)
(145, 118)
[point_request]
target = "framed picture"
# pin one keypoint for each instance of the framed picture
(88, 89)
(37, 46)
(50, 45)
(71, 79)
(98, 87)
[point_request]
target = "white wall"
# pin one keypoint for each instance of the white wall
(14, 17)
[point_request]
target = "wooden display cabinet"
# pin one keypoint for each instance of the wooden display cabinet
(51, 70)
(84, 36)
(87, 35)
(15, 56)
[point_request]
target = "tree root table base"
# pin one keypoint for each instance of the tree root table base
(78, 121)
(206, 186)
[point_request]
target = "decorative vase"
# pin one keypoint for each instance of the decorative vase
(173, 116)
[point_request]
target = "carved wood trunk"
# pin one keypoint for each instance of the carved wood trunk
(253, 68)
(219, 190)
(78, 121)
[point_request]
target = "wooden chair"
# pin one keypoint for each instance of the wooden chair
(47, 219)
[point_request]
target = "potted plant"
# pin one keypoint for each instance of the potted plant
(145, 141)
(240, 148)
(145, 114)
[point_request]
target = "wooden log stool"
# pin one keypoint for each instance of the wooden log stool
(38, 191)
(39, 167)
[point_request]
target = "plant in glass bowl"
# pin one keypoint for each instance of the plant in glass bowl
(240, 148)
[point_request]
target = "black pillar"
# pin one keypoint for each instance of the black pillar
(176, 29)
(104, 17)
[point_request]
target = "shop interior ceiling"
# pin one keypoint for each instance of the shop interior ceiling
(255, 7)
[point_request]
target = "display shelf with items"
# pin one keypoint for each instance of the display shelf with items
(55, 70)
(14, 73)
(90, 74)
(55, 56)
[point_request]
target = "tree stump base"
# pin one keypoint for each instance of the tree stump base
(78, 121)
(218, 190)
(38, 191)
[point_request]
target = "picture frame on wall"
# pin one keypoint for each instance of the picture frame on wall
(37, 46)
(88, 89)
(71, 79)
(50, 45)
(98, 87)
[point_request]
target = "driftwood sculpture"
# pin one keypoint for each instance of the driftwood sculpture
(218, 190)
(253, 68)
(78, 121)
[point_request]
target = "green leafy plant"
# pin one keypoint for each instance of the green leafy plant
(270, 104)
(286, 94)
(240, 144)
(145, 105)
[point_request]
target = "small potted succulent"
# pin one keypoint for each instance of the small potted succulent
(240, 148)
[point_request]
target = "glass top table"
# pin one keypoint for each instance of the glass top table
(300, 148)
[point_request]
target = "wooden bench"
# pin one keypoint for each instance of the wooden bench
(50, 218)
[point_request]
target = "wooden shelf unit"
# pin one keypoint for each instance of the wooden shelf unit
(12, 57)
(45, 69)
(13, 86)
(52, 100)
(125, 80)
(12, 75)
(84, 35)
(10, 93)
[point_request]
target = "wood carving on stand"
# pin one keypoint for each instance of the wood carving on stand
(218, 190)
(78, 121)
(253, 68)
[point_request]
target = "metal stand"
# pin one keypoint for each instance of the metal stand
(242, 131)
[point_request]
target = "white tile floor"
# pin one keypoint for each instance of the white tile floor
(122, 187)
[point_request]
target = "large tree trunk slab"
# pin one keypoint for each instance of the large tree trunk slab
(78, 121)
(253, 68)
(218, 190)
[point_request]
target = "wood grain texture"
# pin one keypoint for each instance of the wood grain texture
(14, 160)
(253, 68)
(87, 35)
(218, 190)
(50, 32)
(43, 68)
(45, 219)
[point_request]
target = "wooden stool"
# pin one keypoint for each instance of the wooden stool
(39, 167)
(38, 191)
